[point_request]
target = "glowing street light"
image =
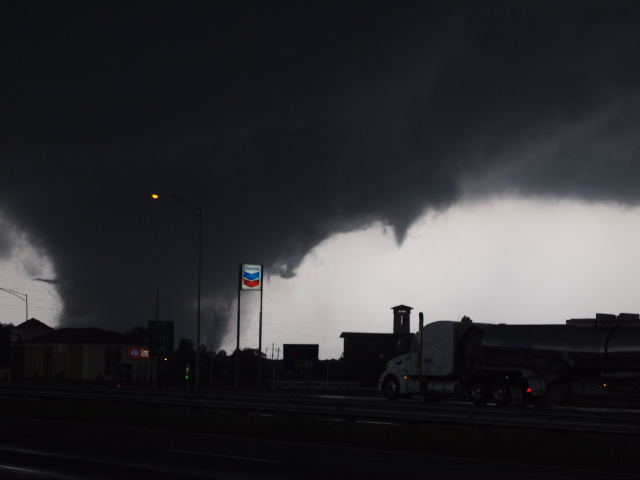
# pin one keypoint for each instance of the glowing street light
(197, 211)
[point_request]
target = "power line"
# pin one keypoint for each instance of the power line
(359, 324)
(301, 334)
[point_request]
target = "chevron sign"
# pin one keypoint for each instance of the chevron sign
(251, 277)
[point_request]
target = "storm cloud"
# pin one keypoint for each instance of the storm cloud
(288, 124)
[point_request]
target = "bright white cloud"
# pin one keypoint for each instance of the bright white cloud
(503, 260)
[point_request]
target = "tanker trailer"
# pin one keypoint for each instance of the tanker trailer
(519, 363)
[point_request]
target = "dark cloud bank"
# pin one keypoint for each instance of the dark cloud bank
(288, 124)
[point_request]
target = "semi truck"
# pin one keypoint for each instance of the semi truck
(519, 364)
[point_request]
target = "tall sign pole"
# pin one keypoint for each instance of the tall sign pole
(260, 329)
(251, 277)
(237, 379)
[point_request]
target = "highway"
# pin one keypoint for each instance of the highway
(73, 432)
(616, 421)
(36, 448)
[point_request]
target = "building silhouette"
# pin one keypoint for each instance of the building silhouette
(365, 354)
(41, 353)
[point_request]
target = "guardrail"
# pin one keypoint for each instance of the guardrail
(350, 388)
(625, 423)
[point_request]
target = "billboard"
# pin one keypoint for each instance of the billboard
(138, 352)
(251, 277)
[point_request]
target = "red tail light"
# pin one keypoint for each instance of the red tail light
(529, 389)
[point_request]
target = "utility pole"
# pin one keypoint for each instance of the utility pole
(157, 304)
(154, 365)
(273, 378)
(211, 359)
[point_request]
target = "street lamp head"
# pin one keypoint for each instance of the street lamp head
(155, 196)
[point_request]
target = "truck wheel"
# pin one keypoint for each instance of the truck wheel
(391, 388)
(479, 392)
(500, 393)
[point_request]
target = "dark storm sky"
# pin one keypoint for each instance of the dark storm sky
(290, 122)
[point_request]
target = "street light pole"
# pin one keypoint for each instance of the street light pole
(197, 211)
(199, 296)
(22, 296)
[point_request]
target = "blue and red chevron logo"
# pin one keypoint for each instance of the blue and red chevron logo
(251, 276)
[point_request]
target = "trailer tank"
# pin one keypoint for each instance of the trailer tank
(597, 347)
(513, 363)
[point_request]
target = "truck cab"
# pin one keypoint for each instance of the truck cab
(433, 353)
(399, 378)
(441, 358)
